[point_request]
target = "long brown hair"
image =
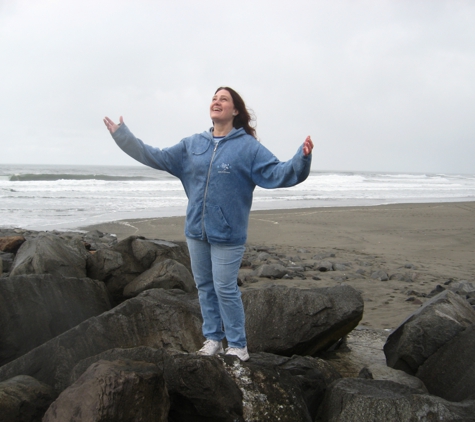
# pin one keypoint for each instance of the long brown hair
(245, 117)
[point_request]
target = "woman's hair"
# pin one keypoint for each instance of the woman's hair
(245, 117)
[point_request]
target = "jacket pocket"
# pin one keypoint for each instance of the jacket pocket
(193, 219)
(216, 224)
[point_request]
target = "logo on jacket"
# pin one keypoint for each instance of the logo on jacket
(224, 168)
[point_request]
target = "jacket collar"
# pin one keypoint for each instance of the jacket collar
(233, 134)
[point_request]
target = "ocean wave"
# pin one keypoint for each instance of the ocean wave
(32, 177)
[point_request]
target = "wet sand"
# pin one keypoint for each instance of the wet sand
(427, 244)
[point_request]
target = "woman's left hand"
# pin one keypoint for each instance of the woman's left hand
(307, 146)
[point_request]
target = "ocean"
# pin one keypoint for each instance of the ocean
(42, 197)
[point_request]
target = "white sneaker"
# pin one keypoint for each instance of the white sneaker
(240, 353)
(211, 347)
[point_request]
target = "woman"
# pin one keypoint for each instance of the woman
(219, 170)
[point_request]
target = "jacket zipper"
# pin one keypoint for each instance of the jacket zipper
(206, 192)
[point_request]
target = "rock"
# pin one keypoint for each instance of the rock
(114, 391)
(148, 252)
(50, 254)
(24, 399)
(383, 372)
(340, 267)
(324, 266)
(411, 292)
(6, 262)
(263, 256)
(156, 318)
(138, 255)
(407, 277)
(427, 329)
(159, 357)
(296, 269)
(98, 240)
(450, 372)
(270, 271)
(437, 289)
(200, 387)
(168, 274)
(313, 375)
(363, 400)
(11, 244)
(463, 288)
(267, 394)
(366, 374)
(101, 265)
(36, 308)
(380, 275)
(287, 321)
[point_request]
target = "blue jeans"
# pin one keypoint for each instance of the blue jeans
(215, 269)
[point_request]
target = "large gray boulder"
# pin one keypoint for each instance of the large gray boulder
(201, 389)
(427, 329)
(450, 371)
(24, 399)
(36, 308)
(287, 321)
(156, 318)
(218, 388)
(198, 386)
(265, 388)
(268, 394)
(51, 254)
(312, 375)
(362, 400)
(168, 274)
(130, 258)
(114, 391)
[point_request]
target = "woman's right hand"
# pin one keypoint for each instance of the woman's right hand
(111, 126)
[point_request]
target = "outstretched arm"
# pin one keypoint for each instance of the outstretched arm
(167, 159)
(270, 173)
(111, 126)
(307, 146)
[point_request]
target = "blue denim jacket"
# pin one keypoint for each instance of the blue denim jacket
(219, 179)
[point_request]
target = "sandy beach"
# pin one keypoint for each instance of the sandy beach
(426, 244)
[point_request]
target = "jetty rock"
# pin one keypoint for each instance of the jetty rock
(35, 308)
(109, 329)
(426, 330)
(287, 321)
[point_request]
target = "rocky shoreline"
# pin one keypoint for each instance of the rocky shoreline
(107, 329)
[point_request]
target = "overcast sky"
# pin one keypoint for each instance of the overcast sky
(379, 85)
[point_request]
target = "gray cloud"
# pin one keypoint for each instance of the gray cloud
(384, 85)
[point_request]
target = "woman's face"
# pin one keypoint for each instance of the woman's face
(222, 107)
